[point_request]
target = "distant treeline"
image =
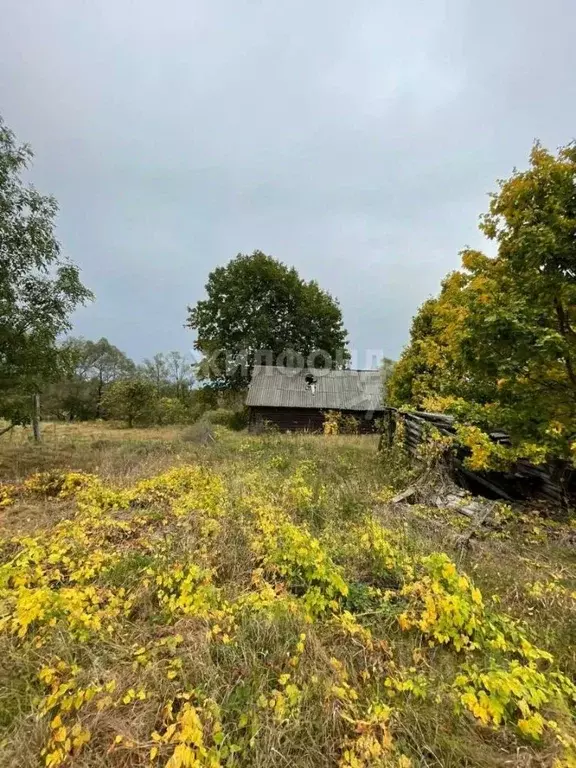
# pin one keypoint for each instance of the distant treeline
(99, 381)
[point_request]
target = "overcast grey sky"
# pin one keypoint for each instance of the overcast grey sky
(354, 140)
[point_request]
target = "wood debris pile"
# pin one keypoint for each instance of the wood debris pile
(554, 482)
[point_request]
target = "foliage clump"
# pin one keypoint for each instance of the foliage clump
(443, 604)
(338, 423)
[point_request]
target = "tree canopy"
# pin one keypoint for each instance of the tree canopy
(39, 288)
(131, 400)
(498, 345)
(256, 304)
(88, 368)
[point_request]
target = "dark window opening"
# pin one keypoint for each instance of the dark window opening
(311, 382)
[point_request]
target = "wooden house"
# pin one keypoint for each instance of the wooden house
(298, 398)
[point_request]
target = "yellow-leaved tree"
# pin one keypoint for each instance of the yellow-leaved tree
(497, 347)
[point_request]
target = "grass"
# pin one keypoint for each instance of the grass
(257, 601)
(96, 447)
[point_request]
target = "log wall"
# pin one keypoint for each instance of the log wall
(303, 419)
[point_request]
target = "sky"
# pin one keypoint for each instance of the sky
(356, 141)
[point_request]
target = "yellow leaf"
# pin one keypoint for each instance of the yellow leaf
(532, 726)
(60, 734)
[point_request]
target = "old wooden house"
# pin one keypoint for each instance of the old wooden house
(298, 399)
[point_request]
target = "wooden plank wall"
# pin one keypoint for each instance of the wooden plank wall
(302, 419)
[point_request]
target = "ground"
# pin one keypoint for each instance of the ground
(168, 598)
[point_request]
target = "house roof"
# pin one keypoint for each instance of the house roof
(278, 387)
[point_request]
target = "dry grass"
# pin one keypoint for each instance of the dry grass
(233, 653)
(94, 447)
(57, 432)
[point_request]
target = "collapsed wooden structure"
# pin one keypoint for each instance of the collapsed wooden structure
(554, 481)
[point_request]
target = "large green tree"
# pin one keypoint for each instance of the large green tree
(498, 345)
(39, 288)
(256, 310)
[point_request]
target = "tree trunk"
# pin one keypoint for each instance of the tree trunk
(36, 417)
(568, 333)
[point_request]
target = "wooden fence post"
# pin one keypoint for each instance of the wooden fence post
(36, 417)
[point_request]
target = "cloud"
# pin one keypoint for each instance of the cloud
(356, 141)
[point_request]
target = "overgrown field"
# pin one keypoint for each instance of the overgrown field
(257, 601)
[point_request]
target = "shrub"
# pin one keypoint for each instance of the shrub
(170, 410)
(338, 423)
(225, 417)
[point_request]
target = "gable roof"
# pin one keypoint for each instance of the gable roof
(278, 387)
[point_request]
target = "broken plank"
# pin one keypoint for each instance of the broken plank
(404, 495)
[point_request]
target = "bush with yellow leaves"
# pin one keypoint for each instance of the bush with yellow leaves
(514, 692)
(443, 604)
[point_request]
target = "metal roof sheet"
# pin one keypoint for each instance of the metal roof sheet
(278, 387)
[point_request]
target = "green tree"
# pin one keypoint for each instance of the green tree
(257, 304)
(39, 288)
(498, 346)
(103, 364)
(130, 400)
(90, 367)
